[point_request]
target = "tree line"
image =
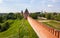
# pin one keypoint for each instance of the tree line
(8, 16)
(52, 16)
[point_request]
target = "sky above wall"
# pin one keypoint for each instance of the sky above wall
(32, 5)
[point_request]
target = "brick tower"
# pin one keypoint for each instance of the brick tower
(26, 13)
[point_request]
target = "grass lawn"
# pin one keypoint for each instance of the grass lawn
(53, 24)
(19, 29)
(26, 30)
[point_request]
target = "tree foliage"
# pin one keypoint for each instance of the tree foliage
(11, 16)
(4, 27)
(1, 19)
(33, 15)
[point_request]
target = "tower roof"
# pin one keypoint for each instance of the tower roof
(26, 11)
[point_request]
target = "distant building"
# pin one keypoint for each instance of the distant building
(26, 13)
(22, 13)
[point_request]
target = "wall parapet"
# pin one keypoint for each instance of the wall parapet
(42, 30)
(53, 31)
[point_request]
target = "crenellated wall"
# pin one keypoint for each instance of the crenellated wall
(51, 32)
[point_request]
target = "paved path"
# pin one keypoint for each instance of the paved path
(39, 29)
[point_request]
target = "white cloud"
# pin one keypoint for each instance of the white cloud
(1, 1)
(50, 5)
(54, 0)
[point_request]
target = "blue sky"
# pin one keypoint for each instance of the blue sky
(32, 5)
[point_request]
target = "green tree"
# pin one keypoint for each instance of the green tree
(4, 27)
(34, 15)
(48, 15)
(0, 26)
(1, 19)
(11, 16)
(19, 16)
(58, 17)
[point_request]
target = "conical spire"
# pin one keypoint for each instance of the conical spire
(26, 13)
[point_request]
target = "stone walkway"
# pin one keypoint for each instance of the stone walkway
(39, 29)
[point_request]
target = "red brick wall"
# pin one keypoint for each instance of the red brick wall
(53, 31)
